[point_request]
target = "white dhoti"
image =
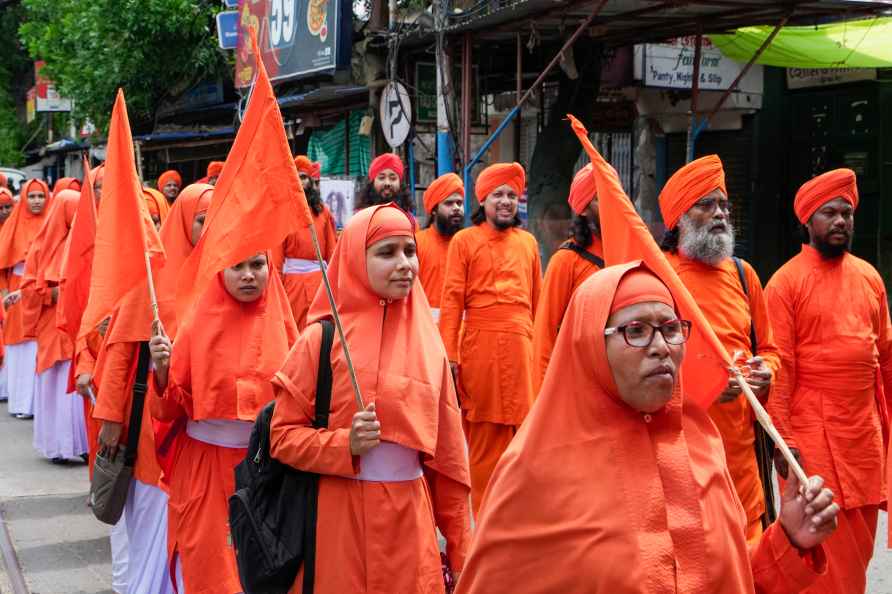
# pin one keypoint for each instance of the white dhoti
(59, 427)
(21, 376)
(118, 539)
(146, 513)
(4, 393)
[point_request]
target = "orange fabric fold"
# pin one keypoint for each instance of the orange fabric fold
(442, 188)
(214, 168)
(125, 232)
(156, 203)
(669, 522)
(688, 185)
(838, 183)
(66, 183)
(500, 174)
(582, 190)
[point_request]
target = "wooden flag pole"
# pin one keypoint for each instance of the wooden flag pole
(337, 318)
(156, 321)
(765, 420)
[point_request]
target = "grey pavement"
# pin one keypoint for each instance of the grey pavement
(62, 549)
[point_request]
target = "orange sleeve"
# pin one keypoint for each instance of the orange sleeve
(557, 289)
(293, 440)
(767, 347)
(784, 327)
(452, 302)
(113, 399)
(780, 568)
(536, 281)
(884, 346)
(85, 363)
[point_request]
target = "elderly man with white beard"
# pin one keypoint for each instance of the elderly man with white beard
(699, 242)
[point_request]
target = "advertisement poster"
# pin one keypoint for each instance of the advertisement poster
(671, 65)
(296, 37)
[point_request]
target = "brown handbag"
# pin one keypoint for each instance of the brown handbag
(112, 475)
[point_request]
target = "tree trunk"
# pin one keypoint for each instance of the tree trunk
(558, 149)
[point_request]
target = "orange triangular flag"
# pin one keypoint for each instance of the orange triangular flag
(124, 230)
(626, 238)
(258, 200)
(77, 261)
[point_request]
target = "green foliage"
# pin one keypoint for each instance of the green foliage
(15, 64)
(150, 48)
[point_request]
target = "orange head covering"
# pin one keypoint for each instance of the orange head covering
(582, 190)
(442, 188)
(22, 226)
(156, 203)
(304, 165)
(6, 196)
(839, 183)
(670, 508)
(168, 176)
(400, 361)
(44, 260)
(386, 161)
(389, 222)
(316, 173)
(640, 286)
(214, 168)
(227, 350)
(497, 175)
(133, 320)
(688, 185)
(66, 183)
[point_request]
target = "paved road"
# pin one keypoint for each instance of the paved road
(63, 550)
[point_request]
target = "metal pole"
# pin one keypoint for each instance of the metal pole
(445, 160)
(466, 97)
(518, 93)
(746, 69)
(695, 95)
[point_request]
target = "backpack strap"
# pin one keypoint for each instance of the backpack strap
(583, 253)
(741, 274)
(140, 387)
(323, 406)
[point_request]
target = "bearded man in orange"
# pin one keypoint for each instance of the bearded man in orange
(577, 259)
(830, 314)
(493, 275)
(169, 184)
(301, 274)
(699, 242)
(386, 184)
(444, 203)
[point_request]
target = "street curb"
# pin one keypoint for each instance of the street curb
(10, 559)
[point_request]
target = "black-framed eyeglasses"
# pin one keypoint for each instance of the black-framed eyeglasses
(640, 334)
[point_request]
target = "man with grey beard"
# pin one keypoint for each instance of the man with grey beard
(699, 243)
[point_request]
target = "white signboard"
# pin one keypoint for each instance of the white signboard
(671, 65)
(338, 195)
(803, 78)
(396, 114)
(53, 100)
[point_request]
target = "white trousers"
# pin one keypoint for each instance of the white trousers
(21, 376)
(59, 427)
(119, 547)
(146, 513)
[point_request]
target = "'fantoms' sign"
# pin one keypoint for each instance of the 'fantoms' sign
(671, 65)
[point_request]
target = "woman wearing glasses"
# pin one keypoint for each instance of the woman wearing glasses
(616, 485)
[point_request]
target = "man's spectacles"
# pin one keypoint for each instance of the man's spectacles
(641, 334)
(710, 204)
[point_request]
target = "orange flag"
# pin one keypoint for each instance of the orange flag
(627, 238)
(125, 232)
(77, 261)
(258, 199)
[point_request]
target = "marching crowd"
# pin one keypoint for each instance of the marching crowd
(540, 422)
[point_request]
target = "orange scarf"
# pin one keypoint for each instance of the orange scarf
(22, 226)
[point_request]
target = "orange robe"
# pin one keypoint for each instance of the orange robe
(301, 286)
(594, 497)
(494, 278)
(721, 298)
(433, 248)
(85, 362)
(374, 536)
(831, 320)
(225, 354)
(566, 271)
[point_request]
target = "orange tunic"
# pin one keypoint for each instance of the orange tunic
(377, 536)
(594, 497)
(721, 298)
(301, 287)
(494, 277)
(115, 373)
(566, 271)
(433, 248)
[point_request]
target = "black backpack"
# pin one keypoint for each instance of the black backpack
(272, 514)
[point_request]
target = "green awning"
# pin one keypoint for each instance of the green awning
(849, 44)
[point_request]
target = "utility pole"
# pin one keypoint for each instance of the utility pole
(445, 160)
